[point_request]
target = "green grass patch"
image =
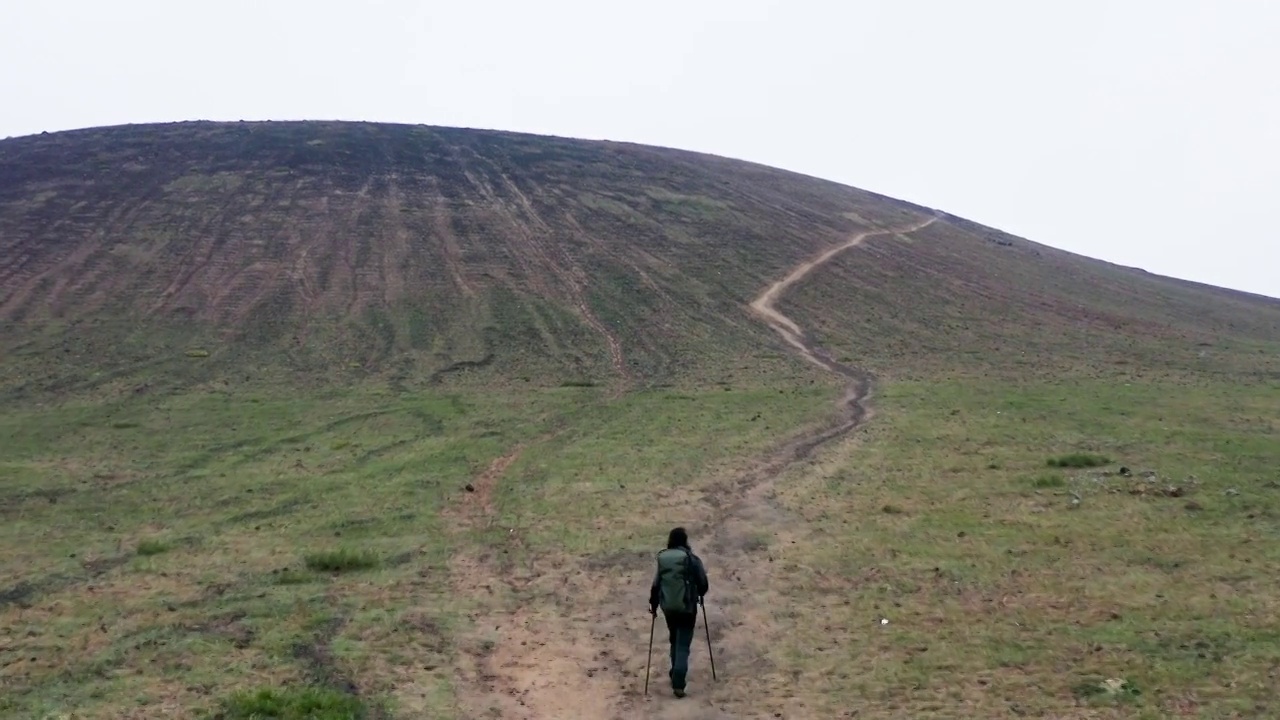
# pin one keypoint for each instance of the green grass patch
(342, 560)
(153, 546)
(1048, 481)
(1078, 460)
(305, 703)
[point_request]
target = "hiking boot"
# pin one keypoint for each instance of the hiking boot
(679, 692)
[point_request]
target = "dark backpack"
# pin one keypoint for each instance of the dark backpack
(676, 591)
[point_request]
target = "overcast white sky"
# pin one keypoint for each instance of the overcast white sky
(1145, 132)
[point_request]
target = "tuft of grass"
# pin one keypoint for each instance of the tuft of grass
(151, 546)
(1048, 481)
(1114, 689)
(341, 560)
(1079, 460)
(306, 703)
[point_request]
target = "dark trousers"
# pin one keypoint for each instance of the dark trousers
(680, 626)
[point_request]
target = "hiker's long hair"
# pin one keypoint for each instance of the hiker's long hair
(678, 538)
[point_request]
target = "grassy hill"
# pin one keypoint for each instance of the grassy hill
(399, 414)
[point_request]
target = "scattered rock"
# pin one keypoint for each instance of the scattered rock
(471, 488)
(1231, 492)
(1193, 506)
(1125, 472)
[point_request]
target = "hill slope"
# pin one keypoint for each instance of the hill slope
(389, 420)
(409, 250)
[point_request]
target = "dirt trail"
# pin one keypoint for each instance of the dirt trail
(785, 326)
(571, 642)
(745, 532)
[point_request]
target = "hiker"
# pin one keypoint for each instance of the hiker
(678, 588)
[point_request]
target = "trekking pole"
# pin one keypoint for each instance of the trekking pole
(707, 626)
(650, 660)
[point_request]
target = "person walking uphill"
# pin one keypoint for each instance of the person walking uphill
(678, 587)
